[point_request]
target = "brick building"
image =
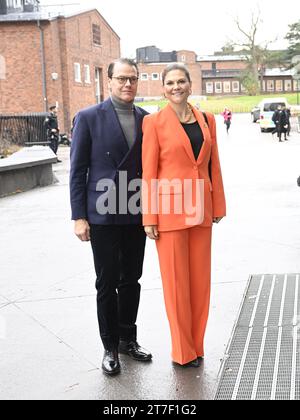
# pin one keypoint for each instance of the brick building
(152, 62)
(221, 76)
(46, 60)
(211, 75)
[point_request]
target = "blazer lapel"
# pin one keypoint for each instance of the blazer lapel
(138, 135)
(206, 147)
(182, 137)
(115, 138)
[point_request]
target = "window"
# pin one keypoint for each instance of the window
(288, 85)
(218, 87)
(296, 85)
(144, 77)
(236, 87)
(270, 85)
(279, 85)
(77, 72)
(227, 87)
(209, 87)
(87, 74)
(183, 58)
(96, 35)
(155, 76)
(2, 68)
(99, 85)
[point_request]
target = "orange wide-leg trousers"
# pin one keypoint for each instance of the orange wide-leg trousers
(185, 264)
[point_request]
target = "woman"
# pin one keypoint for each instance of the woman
(227, 115)
(181, 172)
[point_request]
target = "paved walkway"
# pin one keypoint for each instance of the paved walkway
(49, 346)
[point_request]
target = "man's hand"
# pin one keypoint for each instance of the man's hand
(152, 232)
(82, 230)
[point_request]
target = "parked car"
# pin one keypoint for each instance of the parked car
(255, 113)
(64, 140)
(267, 108)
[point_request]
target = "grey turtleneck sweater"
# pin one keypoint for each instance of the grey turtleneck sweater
(126, 117)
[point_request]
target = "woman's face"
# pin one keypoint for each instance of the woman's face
(177, 88)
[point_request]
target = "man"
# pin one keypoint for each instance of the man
(288, 116)
(282, 123)
(275, 119)
(106, 151)
(51, 125)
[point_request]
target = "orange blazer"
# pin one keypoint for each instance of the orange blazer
(168, 158)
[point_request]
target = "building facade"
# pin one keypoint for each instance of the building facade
(221, 75)
(150, 84)
(48, 60)
(211, 75)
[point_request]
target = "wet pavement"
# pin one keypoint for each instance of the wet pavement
(49, 345)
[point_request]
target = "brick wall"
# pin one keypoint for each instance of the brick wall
(152, 87)
(67, 40)
(223, 65)
(21, 89)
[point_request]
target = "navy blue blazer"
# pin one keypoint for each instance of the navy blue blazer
(99, 151)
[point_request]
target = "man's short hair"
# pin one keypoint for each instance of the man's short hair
(52, 107)
(128, 61)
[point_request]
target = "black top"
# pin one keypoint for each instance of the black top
(195, 135)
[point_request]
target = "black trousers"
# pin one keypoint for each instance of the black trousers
(228, 124)
(53, 143)
(118, 256)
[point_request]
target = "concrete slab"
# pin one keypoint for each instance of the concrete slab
(26, 169)
(28, 157)
(34, 363)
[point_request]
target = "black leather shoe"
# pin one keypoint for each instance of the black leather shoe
(194, 363)
(135, 351)
(111, 364)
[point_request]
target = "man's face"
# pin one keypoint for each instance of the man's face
(121, 86)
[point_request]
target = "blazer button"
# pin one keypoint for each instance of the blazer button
(196, 168)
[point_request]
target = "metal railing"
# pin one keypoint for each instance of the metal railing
(23, 130)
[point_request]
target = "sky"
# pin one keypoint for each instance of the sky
(202, 26)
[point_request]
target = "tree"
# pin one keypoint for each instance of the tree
(228, 49)
(293, 37)
(256, 55)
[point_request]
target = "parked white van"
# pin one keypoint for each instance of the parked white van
(267, 109)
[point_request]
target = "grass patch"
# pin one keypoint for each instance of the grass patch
(238, 104)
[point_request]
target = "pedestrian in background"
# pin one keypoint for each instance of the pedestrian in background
(51, 124)
(227, 115)
(282, 123)
(288, 114)
(275, 119)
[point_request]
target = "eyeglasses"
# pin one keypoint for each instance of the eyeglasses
(123, 80)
